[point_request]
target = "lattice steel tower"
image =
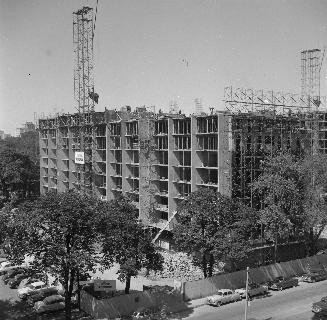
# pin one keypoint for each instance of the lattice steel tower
(310, 73)
(83, 48)
(83, 34)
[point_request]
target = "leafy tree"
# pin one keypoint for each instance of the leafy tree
(127, 241)
(17, 174)
(212, 228)
(27, 144)
(314, 168)
(280, 187)
(19, 162)
(293, 192)
(59, 231)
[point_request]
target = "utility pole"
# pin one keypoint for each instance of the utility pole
(246, 294)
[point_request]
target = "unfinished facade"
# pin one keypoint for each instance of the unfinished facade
(158, 159)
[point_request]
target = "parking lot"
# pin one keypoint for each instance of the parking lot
(12, 308)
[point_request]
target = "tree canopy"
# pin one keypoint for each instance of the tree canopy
(18, 174)
(211, 228)
(126, 241)
(59, 232)
(292, 191)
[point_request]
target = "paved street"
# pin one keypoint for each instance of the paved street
(290, 304)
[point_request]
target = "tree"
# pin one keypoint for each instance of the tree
(293, 192)
(27, 144)
(59, 232)
(280, 186)
(19, 165)
(314, 168)
(212, 228)
(127, 241)
(17, 174)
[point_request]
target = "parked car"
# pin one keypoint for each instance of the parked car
(315, 276)
(23, 293)
(14, 282)
(12, 273)
(254, 289)
(33, 278)
(5, 264)
(320, 307)
(223, 296)
(324, 251)
(281, 283)
(4, 270)
(41, 294)
(50, 304)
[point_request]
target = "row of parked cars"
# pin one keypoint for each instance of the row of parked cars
(32, 287)
(224, 296)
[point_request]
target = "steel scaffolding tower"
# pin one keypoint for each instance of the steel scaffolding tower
(83, 32)
(310, 74)
(83, 49)
(264, 122)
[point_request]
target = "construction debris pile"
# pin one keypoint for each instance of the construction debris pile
(177, 266)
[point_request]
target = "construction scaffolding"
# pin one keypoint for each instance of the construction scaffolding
(83, 33)
(83, 49)
(310, 73)
(264, 122)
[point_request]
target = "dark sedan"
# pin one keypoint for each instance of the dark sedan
(281, 283)
(315, 276)
(320, 307)
(41, 294)
(14, 282)
(12, 273)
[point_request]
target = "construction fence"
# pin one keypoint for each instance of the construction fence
(206, 287)
(177, 301)
(124, 305)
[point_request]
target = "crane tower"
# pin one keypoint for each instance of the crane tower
(83, 34)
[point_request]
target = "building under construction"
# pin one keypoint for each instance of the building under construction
(158, 159)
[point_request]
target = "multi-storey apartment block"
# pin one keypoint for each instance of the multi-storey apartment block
(157, 159)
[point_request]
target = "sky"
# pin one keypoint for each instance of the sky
(151, 52)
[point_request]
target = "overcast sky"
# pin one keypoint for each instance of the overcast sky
(141, 48)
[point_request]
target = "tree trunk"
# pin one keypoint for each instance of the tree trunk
(275, 248)
(67, 301)
(68, 309)
(78, 291)
(128, 284)
(204, 265)
(68, 296)
(211, 263)
(312, 242)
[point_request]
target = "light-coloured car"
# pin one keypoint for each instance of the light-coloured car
(50, 304)
(23, 293)
(223, 296)
(5, 264)
(253, 290)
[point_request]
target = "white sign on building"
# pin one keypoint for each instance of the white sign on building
(79, 157)
(104, 285)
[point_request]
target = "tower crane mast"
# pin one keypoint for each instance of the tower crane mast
(84, 94)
